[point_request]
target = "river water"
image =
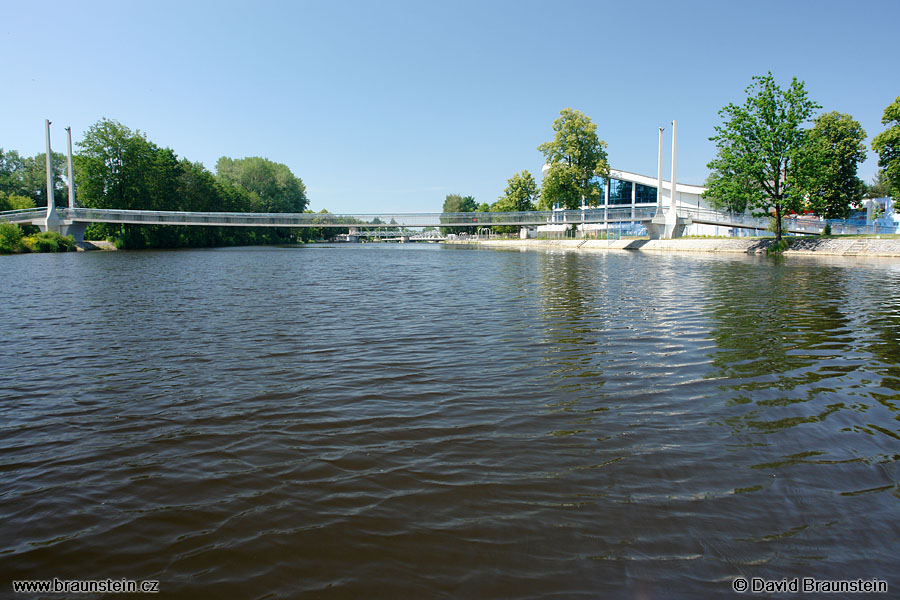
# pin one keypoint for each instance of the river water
(430, 422)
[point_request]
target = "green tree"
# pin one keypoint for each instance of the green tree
(12, 170)
(273, 187)
(828, 165)
(455, 203)
(758, 146)
(27, 176)
(879, 188)
(727, 190)
(520, 194)
(577, 158)
(15, 202)
(10, 238)
(887, 145)
(113, 166)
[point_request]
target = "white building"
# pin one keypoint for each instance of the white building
(625, 189)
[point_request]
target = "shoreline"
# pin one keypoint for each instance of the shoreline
(803, 246)
(93, 245)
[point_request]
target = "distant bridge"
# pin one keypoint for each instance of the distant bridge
(73, 221)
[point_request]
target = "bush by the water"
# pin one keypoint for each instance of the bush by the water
(12, 241)
(10, 238)
(778, 247)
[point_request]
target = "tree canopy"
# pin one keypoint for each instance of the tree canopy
(887, 145)
(120, 168)
(758, 148)
(272, 186)
(520, 194)
(456, 203)
(577, 158)
(879, 188)
(829, 161)
(22, 176)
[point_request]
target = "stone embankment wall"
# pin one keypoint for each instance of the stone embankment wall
(94, 245)
(798, 246)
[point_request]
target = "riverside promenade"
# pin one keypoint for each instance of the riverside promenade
(799, 246)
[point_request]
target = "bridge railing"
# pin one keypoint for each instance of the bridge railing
(726, 219)
(398, 220)
(22, 215)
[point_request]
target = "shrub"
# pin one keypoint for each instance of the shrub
(10, 238)
(48, 241)
(827, 229)
(778, 247)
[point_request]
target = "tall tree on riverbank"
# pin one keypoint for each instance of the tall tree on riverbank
(520, 194)
(879, 188)
(758, 146)
(828, 165)
(455, 203)
(887, 145)
(273, 187)
(577, 158)
(119, 168)
(27, 176)
(113, 166)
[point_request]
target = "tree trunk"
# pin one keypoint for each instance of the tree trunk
(777, 223)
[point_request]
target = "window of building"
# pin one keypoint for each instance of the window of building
(620, 191)
(645, 194)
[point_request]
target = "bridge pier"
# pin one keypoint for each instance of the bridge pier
(676, 229)
(55, 224)
(656, 228)
(76, 230)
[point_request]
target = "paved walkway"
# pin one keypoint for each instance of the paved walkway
(889, 247)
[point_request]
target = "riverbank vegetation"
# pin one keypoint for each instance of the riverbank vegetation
(887, 145)
(14, 241)
(770, 161)
(774, 156)
(120, 168)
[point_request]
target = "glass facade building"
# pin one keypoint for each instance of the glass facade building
(644, 194)
(619, 192)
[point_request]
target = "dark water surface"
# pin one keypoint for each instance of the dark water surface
(423, 422)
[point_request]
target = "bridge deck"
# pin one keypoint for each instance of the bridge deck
(478, 219)
(69, 216)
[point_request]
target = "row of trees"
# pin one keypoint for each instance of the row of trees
(768, 162)
(116, 167)
(120, 168)
(23, 180)
(520, 195)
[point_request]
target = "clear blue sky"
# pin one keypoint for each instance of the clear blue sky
(388, 106)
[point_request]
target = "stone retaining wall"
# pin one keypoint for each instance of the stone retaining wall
(798, 245)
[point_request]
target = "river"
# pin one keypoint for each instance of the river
(420, 421)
